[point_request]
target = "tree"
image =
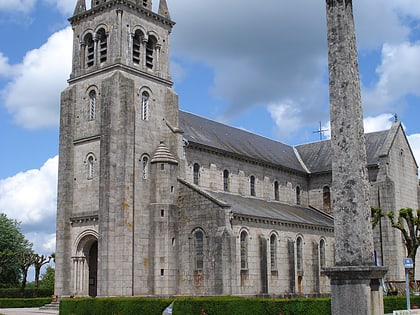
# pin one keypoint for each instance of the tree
(47, 279)
(38, 262)
(25, 260)
(408, 223)
(12, 244)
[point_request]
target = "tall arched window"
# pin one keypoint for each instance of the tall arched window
(244, 250)
(199, 249)
(326, 197)
(150, 52)
(273, 252)
(91, 166)
(92, 105)
(322, 259)
(299, 255)
(226, 180)
(102, 45)
(145, 106)
(298, 195)
(276, 191)
(89, 50)
(145, 167)
(137, 42)
(196, 173)
(252, 185)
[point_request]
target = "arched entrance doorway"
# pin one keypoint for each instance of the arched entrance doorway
(85, 265)
(93, 269)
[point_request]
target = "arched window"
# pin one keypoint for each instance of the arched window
(326, 197)
(145, 106)
(145, 167)
(196, 171)
(102, 45)
(199, 249)
(299, 255)
(150, 51)
(226, 180)
(322, 258)
(273, 252)
(91, 166)
(252, 185)
(137, 42)
(276, 191)
(89, 50)
(298, 195)
(92, 105)
(244, 250)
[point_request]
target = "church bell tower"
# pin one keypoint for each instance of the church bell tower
(116, 113)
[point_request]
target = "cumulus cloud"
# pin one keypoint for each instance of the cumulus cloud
(265, 53)
(22, 6)
(32, 96)
(378, 123)
(414, 141)
(6, 69)
(30, 198)
(66, 7)
(398, 76)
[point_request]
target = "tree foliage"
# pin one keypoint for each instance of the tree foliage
(408, 222)
(13, 245)
(47, 279)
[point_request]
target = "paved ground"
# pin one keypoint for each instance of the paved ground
(25, 311)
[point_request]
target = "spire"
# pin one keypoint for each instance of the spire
(163, 9)
(80, 7)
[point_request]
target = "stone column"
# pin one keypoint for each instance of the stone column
(354, 276)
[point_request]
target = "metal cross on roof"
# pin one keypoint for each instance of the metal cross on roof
(320, 131)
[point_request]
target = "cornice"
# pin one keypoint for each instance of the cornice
(118, 3)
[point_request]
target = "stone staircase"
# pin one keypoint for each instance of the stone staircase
(53, 306)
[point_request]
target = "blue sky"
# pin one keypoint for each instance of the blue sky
(257, 65)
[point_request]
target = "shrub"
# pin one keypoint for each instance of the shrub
(20, 302)
(28, 293)
(113, 306)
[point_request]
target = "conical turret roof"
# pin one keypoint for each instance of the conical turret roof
(163, 155)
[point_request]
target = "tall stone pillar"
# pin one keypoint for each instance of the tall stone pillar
(354, 278)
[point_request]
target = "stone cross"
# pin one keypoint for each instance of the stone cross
(354, 276)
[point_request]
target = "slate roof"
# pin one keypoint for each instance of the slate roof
(317, 155)
(273, 210)
(212, 134)
(313, 157)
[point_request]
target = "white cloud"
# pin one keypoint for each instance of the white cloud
(66, 7)
(286, 117)
(23, 6)
(33, 96)
(414, 141)
(398, 76)
(378, 123)
(30, 197)
(6, 69)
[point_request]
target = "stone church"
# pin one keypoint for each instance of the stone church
(155, 201)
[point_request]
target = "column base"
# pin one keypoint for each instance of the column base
(356, 289)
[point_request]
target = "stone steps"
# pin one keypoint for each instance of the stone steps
(52, 306)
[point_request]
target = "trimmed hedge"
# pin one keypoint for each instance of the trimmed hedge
(20, 302)
(254, 306)
(194, 306)
(394, 303)
(212, 306)
(27, 293)
(113, 306)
